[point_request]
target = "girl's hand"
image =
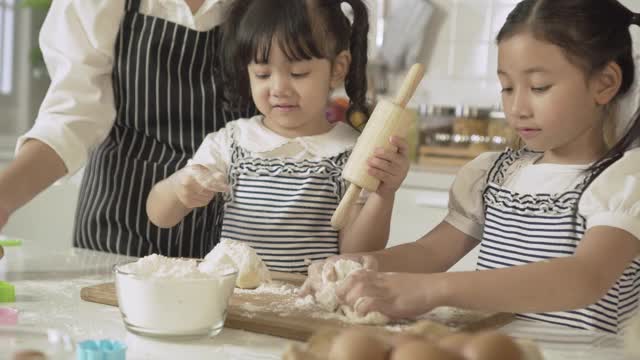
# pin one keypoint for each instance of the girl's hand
(195, 185)
(390, 166)
(396, 295)
(313, 283)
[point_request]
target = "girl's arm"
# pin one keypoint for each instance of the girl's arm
(164, 208)
(369, 228)
(559, 284)
(436, 251)
(173, 198)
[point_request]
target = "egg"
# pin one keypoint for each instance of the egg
(399, 339)
(357, 344)
(422, 350)
(29, 355)
(455, 342)
(492, 345)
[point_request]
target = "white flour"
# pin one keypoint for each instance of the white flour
(167, 296)
(288, 303)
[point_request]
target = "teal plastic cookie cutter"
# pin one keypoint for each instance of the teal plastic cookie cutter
(7, 292)
(101, 350)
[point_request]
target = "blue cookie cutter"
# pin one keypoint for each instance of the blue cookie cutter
(101, 350)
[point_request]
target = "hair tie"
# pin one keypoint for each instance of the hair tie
(630, 102)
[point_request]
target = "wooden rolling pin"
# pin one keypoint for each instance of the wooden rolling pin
(388, 119)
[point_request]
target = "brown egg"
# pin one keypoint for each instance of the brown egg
(455, 342)
(29, 355)
(402, 338)
(357, 344)
(422, 350)
(492, 345)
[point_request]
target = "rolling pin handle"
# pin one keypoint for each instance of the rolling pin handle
(409, 85)
(340, 217)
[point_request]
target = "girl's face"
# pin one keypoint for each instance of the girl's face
(293, 96)
(549, 101)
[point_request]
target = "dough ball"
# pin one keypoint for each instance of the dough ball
(251, 269)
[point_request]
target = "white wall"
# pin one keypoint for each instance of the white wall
(460, 54)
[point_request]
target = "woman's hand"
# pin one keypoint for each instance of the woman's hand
(390, 166)
(4, 217)
(195, 185)
(314, 282)
(396, 295)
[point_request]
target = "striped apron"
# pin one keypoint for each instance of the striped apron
(525, 228)
(283, 208)
(168, 97)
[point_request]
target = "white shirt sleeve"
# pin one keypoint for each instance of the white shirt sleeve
(466, 209)
(215, 151)
(613, 198)
(77, 41)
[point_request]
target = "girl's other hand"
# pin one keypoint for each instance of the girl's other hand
(390, 166)
(396, 295)
(314, 281)
(195, 185)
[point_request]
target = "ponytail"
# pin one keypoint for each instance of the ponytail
(356, 80)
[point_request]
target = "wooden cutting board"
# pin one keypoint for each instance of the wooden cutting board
(278, 314)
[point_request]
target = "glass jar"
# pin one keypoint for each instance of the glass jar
(470, 127)
(436, 124)
(500, 134)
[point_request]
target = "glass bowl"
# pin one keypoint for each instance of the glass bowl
(50, 344)
(173, 307)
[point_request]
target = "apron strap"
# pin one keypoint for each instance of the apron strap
(133, 5)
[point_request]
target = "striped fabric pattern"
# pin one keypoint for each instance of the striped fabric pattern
(168, 97)
(523, 228)
(283, 208)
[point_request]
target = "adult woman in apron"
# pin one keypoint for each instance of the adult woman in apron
(135, 88)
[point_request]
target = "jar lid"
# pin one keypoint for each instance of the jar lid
(430, 110)
(7, 292)
(8, 316)
(472, 111)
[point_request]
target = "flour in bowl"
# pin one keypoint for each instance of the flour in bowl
(158, 266)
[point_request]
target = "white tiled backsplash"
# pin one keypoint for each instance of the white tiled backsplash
(460, 54)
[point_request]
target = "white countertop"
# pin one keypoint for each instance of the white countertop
(48, 283)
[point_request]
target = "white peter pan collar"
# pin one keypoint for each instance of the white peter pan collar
(255, 137)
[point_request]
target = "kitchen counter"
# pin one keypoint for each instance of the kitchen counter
(48, 282)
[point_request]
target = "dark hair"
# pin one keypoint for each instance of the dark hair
(303, 29)
(592, 33)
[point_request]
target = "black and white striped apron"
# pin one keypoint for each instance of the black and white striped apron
(283, 208)
(525, 228)
(167, 98)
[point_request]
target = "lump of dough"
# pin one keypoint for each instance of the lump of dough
(327, 299)
(251, 270)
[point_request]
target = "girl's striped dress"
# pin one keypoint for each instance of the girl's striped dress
(526, 228)
(282, 208)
